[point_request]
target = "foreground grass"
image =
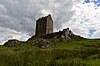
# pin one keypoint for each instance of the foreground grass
(74, 53)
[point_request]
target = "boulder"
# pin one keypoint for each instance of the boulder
(12, 43)
(42, 43)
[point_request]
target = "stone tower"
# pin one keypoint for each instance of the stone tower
(44, 25)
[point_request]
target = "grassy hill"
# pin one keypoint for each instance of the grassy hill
(85, 52)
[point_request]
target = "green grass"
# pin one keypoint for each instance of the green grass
(74, 53)
(94, 62)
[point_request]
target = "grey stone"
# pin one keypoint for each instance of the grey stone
(44, 25)
(12, 43)
(42, 43)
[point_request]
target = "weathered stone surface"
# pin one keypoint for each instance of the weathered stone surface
(42, 43)
(64, 35)
(44, 25)
(12, 43)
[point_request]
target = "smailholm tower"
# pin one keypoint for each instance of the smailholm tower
(44, 25)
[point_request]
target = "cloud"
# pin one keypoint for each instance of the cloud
(96, 2)
(18, 17)
(84, 18)
(6, 34)
(91, 31)
(96, 34)
(21, 15)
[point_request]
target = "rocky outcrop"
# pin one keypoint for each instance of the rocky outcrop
(42, 43)
(64, 35)
(12, 43)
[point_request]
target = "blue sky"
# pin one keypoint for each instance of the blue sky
(96, 2)
(18, 17)
(1, 31)
(91, 32)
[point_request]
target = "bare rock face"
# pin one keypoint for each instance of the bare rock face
(12, 43)
(64, 35)
(42, 43)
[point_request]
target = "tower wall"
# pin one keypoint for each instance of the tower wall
(44, 25)
(49, 25)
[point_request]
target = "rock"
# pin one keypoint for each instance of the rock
(12, 43)
(64, 35)
(42, 43)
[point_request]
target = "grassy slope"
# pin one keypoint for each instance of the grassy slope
(73, 53)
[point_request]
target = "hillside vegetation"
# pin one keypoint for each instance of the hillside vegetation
(84, 52)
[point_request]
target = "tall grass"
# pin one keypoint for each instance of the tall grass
(74, 53)
(47, 57)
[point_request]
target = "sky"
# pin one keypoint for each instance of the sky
(18, 17)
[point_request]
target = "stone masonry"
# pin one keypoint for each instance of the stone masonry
(44, 25)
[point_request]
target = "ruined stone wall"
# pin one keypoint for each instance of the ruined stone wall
(49, 25)
(44, 25)
(40, 26)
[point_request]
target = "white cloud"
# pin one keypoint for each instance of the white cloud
(17, 17)
(45, 12)
(6, 34)
(84, 18)
(2, 9)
